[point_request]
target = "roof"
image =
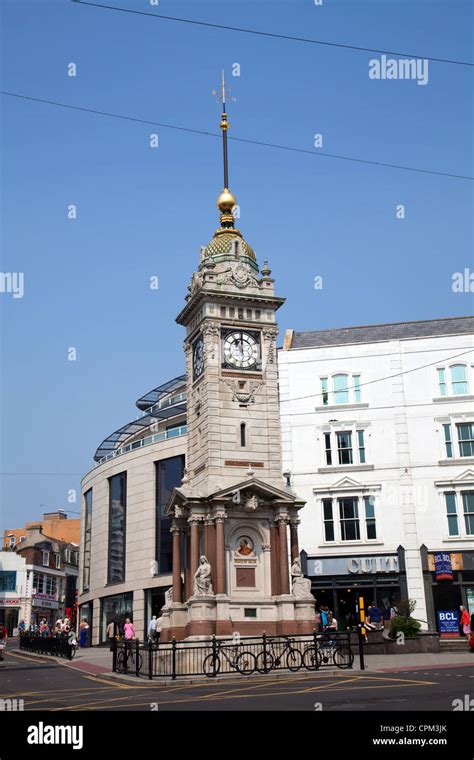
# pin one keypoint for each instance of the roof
(154, 396)
(429, 328)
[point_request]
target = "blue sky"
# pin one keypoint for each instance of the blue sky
(144, 212)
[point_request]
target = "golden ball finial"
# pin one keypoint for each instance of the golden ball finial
(226, 201)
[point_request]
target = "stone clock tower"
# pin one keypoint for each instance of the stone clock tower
(234, 520)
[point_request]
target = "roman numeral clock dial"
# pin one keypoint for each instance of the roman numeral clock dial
(241, 350)
(198, 357)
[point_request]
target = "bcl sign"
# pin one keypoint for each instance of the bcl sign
(448, 624)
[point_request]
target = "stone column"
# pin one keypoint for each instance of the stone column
(295, 552)
(194, 523)
(210, 545)
(282, 536)
(176, 562)
(188, 587)
(274, 559)
(220, 555)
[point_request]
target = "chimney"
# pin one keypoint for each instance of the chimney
(58, 515)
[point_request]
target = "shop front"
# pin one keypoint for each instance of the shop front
(114, 609)
(44, 607)
(10, 610)
(338, 582)
(449, 583)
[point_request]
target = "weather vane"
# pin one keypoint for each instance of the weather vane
(224, 93)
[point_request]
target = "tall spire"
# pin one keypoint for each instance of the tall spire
(226, 201)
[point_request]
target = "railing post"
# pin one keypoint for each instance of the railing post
(114, 655)
(361, 646)
(150, 661)
(173, 659)
(214, 655)
(125, 656)
(137, 656)
(264, 650)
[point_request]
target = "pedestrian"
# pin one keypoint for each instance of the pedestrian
(471, 635)
(3, 640)
(464, 622)
(83, 629)
(152, 630)
(375, 616)
(111, 634)
(129, 632)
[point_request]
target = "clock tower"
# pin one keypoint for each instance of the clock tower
(235, 521)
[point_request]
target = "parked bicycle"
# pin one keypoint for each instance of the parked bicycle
(275, 653)
(328, 648)
(241, 661)
(127, 659)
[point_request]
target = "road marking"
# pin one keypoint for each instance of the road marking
(109, 684)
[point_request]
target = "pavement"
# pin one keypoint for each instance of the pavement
(98, 661)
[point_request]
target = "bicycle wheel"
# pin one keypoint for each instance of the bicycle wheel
(294, 660)
(343, 657)
(211, 665)
(120, 659)
(265, 662)
(245, 662)
(312, 658)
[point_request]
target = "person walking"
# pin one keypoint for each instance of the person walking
(83, 630)
(152, 630)
(464, 622)
(471, 635)
(111, 628)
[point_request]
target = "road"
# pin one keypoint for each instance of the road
(48, 685)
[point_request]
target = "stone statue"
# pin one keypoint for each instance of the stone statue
(202, 578)
(169, 597)
(300, 586)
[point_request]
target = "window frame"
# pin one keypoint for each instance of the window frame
(445, 384)
(332, 501)
(352, 388)
(43, 552)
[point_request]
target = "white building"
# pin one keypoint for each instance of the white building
(378, 434)
(15, 597)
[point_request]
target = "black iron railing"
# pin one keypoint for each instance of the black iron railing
(224, 656)
(59, 645)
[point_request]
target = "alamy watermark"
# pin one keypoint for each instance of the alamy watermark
(399, 68)
(12, 282)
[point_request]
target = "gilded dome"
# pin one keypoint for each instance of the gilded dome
(222, 244)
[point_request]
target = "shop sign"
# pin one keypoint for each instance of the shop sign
(443, 566)
(448, 624)
(353, 565)
(47, 604)
(8, 602)
(457, 561)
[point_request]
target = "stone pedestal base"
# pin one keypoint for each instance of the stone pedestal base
(201, 618)
(174, 622)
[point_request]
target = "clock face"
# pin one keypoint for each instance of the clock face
(240, 349)
(198, 358)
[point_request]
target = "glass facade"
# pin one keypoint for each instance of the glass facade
(87, 539)
(115, 609)
(169, 473)
(117, 521)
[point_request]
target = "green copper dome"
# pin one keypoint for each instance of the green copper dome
(223, 241)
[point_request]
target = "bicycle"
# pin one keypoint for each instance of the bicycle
(243, 662)
(328, 648)
(270, 658)
(126, 658)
